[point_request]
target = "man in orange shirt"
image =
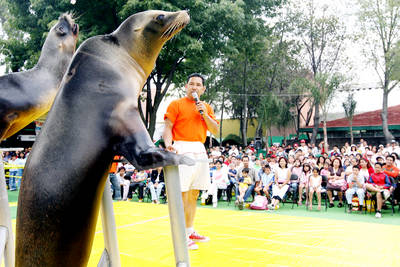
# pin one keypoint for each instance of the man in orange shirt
(392, 171)
(186, 123)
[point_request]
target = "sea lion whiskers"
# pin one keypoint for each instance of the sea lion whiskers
(179, 23)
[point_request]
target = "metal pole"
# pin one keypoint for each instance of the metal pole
(5, 220)
(176, 215)
(109, 230)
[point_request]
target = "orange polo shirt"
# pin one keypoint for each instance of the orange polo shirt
(188, 124)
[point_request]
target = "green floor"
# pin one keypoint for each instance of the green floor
(286, 209)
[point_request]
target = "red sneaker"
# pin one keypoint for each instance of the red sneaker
(198, 238)
(192, 245)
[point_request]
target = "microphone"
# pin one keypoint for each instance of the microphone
(196, 98)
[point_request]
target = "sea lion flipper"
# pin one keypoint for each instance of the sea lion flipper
(140, 152)
(160, 157)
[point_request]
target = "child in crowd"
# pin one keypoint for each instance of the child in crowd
(356, 184)
(305, 174)
(325, 171)
(315, 186)
(244, 182)
(266, 181)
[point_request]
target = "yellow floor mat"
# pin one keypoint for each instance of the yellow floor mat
(247, 239)
(240, 238)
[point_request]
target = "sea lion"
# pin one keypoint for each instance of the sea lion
(94, 117)
(27, 95)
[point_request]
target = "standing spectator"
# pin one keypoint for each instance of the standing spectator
(20, 162)
(281, 185)
(123, 182)
(115, 185)
(13, 172)
(304, 181)
(356, 183)
(315, 186)
(156, 184)
(379, 184)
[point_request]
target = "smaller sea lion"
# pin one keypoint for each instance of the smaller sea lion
(94, 117)
(27, 95)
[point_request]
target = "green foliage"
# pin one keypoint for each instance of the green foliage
(232, 139)
(349, 107)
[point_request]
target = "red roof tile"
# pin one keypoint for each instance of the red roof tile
(371, 118)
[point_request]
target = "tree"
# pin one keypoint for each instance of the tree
(323, 92)
(208, 35)
(322, 36)
(349, 107)
(380, 25)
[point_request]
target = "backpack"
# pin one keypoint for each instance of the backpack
(259, 203)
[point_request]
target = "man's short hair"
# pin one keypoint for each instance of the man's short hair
(196, 75)
(390, 156)
(356, 167)
(245, 170)
(380, 164)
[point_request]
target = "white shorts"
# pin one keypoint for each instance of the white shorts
(193, 177)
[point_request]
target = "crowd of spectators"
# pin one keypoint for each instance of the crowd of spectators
(300, 171)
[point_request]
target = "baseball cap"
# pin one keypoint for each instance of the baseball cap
(302, 141)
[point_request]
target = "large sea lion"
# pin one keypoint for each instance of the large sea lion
(27, 95)
(94, 117)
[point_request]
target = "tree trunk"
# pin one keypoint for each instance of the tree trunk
(384, 113)
(244, 125)
(266, 139)
(325, 137)
(351, 132)
(270, 135)
(222, 118)
(316, 123)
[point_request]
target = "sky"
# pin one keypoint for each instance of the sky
(364, 75)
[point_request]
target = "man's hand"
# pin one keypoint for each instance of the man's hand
(201, 107)
(171, 149)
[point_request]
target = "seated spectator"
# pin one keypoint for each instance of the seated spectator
(232, 172)
(356, 183)
(252, 174)
(123, 182)
(266, 181)
(297, 169)
(219, 181)
(379, 184)
(314, 186)
(336, 182)
(138, 181)
(281, 185)
(392, 171)
(244, 182)
(304, 179)
(156, 184)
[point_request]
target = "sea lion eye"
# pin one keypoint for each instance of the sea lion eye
(160, 18)
(61, 31)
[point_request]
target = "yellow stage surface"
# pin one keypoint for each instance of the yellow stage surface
(243, 238)
(247, 239)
